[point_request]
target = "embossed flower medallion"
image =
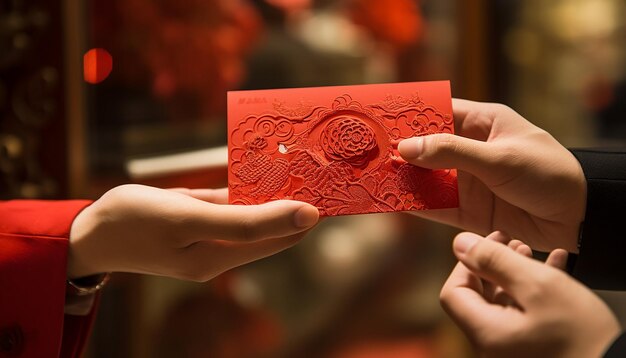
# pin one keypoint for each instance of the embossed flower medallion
(348, 139)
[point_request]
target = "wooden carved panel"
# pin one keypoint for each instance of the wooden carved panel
(32, 130)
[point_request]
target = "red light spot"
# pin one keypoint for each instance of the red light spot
(97, 65)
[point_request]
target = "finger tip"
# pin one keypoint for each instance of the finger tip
(500, 236)
(558, 258)
(410, 148)
(524, 249)
(306, 216)
(561, 253)
(463, 242)
(397, 160)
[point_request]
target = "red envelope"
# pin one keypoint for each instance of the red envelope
(335, 147)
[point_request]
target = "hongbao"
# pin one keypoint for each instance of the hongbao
(340, 158)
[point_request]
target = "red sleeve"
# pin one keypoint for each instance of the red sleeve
(33, 258)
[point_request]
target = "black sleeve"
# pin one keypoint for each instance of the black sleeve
(601, 263)
(617, 348)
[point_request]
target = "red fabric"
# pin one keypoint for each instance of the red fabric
(33, 258)
(76, 330)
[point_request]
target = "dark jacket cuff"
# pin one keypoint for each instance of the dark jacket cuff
(600, 263)
(617, 348)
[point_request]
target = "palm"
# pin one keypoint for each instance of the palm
(181, 233)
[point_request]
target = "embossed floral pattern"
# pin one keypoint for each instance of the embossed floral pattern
(257, 142)
(418, 122)
(348, 139)
(341, 152)
(409, 177)
(428, 121)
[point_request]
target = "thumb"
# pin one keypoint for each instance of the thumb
(445, 151)
(498, 264)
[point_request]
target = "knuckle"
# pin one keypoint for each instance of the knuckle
(512, 157)
(534, 293)
(446, 143)
(509, 153)
(542, 285)
(246, 230)
(486, 257)
(499, 108)
(549, 278)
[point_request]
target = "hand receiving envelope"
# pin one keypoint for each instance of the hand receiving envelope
(335, 147)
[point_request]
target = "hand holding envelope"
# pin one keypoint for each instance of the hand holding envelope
(180, 233)
(513, 176)
(335, 148)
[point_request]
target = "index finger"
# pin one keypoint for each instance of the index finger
(215, 196)
(517, 274)
(461, 297)
(274, 219)
(472, 119)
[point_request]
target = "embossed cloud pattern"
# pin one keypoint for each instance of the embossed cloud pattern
(339, 158)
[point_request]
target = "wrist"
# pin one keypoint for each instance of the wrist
(82, 238)
(604, 346)
(600, 340)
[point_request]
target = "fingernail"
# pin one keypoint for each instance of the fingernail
(306, 217)
(464, 242)
(411, 148)
(397, 160)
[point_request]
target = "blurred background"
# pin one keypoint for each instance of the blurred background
(358, 286)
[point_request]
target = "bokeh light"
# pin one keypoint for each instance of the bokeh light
(97, 65)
